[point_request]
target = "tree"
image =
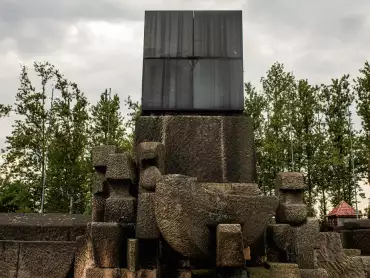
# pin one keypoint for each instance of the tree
(362, 87)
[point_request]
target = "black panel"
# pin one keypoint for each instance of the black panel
(218, 84)
(152, 84)
(178, 84)
(168, 34)
(218, 34)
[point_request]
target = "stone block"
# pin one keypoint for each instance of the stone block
(100, 156)
(184, 274)
(45, 259)
(279, 239)
(83, 256)
(108, 240)
(357, 224)
(331, 257)
(229, 245)
(149, 178)
(276, 270)
(120, 209)
(150, 153)
(352, 252)
(313, 273)
(132, 254)
(146, 224)
(96, 272)
(359, 239)
(8, 259)
(290, 181)
(291, 213)
(121, 167)
(211, 148)
(306, 239)
(185, 209)
(98, 208)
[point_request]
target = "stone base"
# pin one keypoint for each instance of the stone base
(314, 273)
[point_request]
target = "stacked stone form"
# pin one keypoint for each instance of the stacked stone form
(294, 237)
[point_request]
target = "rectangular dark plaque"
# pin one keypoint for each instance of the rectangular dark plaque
(168, 34)
(218, 34)
(218, 84)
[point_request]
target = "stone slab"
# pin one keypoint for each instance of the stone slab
(313, 273)
(359, 239)
(147, 273)
(8, 259)
(275, 270)
(132, 254)
(98, 208)
(46, 259)
(352, 252)
(121, 167)
(229, 246)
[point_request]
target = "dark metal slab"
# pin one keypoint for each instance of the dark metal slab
(218, 84)
(178, 84)
(168, 34)
(218, 34)
(152, 84)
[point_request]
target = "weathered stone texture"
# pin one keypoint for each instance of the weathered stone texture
(98, 208)
(120, 209)
(314, 273)
(229, 246)
(146, 273)
(100, 156)
(357, 224)
(291, 213)
(211, 148)
(96, 272)
(331, 257)
(83, 256)
(132, 254)
(121, 167)
(45, 259)
(146, 224)
(8, 259)
(150, 154)
(280, 243)
(107, 244)
(185, 209)
(149, 177)
(276, 270)
(290, 181)
(352, 252)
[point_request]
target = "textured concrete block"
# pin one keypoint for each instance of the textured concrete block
(151, 154)
(168, 34)
(120, 209)
(291, 213)
(96, 272)
(280, 243)
(313, 273)
(359, 239)
(357, 224)
(218, 34)
(45, 259)
(146, 224)
(98, 208)
(83, 256)
(306, 239)
(149, 177)
(121, 167)
(218, 84)
(8, 259)
(230, 249)
(100, 156)
(276, 270)
(290, 181)
(132, 254)
(148, 129)
(352, 252)
(107, 244)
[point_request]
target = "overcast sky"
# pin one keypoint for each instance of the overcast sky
(98, 43)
